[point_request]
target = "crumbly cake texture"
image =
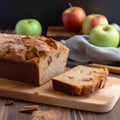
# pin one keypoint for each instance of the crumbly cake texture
(31, 59)
(81, 80)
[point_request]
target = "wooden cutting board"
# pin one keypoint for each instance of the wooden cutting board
(101, 101)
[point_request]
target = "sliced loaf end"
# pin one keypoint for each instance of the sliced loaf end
(81, 80)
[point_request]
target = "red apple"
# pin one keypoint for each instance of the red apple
(73, 17)
(91, 21)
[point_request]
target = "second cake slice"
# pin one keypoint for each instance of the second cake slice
(81, 80)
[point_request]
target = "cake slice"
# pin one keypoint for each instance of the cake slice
(81, 80)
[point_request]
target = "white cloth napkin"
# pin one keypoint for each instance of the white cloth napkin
(82, 52)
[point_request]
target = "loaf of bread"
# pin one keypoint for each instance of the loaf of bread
(81, 80)
(30, 59)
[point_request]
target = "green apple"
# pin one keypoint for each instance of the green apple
(91, 21)
(30, 27)
(104, 36)
(119, 36)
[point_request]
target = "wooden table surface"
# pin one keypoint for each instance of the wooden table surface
(12, 112)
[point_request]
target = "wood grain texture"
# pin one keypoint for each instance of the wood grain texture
(2, 109)
(101, 101)
(68, 114)
(59, 32)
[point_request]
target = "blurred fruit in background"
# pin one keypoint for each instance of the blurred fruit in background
(93, 20)
(104, 35)
(73, 17)
(30, 27)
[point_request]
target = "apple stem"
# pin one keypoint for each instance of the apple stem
(105, 28)
(70, 5)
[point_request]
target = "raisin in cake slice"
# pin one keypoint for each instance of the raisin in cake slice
(81, 80)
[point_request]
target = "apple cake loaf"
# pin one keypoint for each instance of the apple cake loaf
(31, 59)
(80, 80)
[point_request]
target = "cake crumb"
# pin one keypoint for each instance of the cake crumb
(9, 102)
(53, 114)
(36, 92)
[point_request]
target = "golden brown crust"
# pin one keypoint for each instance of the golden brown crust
(25, 48)
(22, 71)
(80, 90)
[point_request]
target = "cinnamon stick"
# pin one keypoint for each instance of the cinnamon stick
(112, 69)
(29, 108)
